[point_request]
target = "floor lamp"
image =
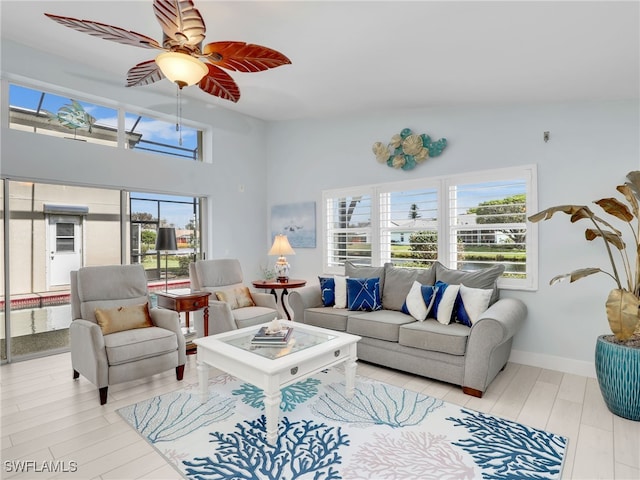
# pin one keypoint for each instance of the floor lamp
(166, 242)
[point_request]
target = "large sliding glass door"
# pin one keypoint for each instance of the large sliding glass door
(150, 212)
(54, 229)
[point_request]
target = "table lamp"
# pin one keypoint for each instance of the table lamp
(281, 247)
(166, 242)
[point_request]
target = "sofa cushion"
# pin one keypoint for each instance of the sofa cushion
(398, 282)
(363, 294)
(470, 304)
(360, 271)
(432, 335)
(327, 291)
(381, 324)
(485, 278)
(132, 345)
(126, 317)
(327, 317)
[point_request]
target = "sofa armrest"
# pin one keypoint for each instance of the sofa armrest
(262, 299)
(510, 314)
(302, 298)
(88, 353)
(170, 320)
(489, 343)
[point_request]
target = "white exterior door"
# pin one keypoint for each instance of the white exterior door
(65, 247)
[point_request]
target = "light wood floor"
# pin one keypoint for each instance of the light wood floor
(46, 416)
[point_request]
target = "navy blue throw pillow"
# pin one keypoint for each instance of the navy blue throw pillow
(363, 294)
(328, 291)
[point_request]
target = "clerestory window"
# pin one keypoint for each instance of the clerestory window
(73, 118)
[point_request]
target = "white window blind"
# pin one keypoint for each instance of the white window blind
(409, 227)
(348, 229)
(488, 225)
(467, 222)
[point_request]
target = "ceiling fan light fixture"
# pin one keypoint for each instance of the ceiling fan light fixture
(180, 68)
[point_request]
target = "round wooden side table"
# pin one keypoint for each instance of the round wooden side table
(274, 285)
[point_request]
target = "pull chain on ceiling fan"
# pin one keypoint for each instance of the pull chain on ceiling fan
(184, 61)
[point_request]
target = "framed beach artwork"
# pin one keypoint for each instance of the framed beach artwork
(297, 221)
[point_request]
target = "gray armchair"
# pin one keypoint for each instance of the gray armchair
(128, 354)
(224, 275)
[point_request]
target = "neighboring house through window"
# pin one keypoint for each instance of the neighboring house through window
(467, 222)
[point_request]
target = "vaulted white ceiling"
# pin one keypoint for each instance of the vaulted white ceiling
(357, 56)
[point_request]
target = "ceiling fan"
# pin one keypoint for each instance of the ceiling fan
(184, 61)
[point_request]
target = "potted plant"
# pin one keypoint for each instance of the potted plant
(617, 355)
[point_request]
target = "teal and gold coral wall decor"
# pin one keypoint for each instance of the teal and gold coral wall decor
(406, 149)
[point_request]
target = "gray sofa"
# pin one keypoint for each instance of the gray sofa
(454, 353)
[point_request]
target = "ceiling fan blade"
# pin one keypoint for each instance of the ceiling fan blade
(220, 84)
(180, 21)
(243, 57)
(107, 32)
(144, 73)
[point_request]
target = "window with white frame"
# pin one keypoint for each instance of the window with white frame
(348, 228)
(47, 113)
(466, 222)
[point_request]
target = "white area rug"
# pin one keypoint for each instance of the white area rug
(383, 432)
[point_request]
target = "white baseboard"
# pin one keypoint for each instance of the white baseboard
(551, 362)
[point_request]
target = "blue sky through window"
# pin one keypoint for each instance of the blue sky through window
(467, 196)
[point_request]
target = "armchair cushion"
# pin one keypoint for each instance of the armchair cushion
(219, 272)
(123, 318)
(249, 316)
(133, 345)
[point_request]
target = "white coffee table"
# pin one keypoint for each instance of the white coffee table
(310, 350)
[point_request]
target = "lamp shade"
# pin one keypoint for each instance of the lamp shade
(281, 246)
(181, 68)
(166, 239)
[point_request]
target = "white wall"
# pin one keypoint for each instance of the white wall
(237, 219)
(592, 147)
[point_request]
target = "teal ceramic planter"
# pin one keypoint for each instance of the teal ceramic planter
(618, 372)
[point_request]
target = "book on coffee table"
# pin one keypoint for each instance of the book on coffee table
(265, 337)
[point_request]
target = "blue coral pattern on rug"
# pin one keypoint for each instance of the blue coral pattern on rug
(375, 404)
(304, 449)
(381, 432)
(292, 395)
(507, 450)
